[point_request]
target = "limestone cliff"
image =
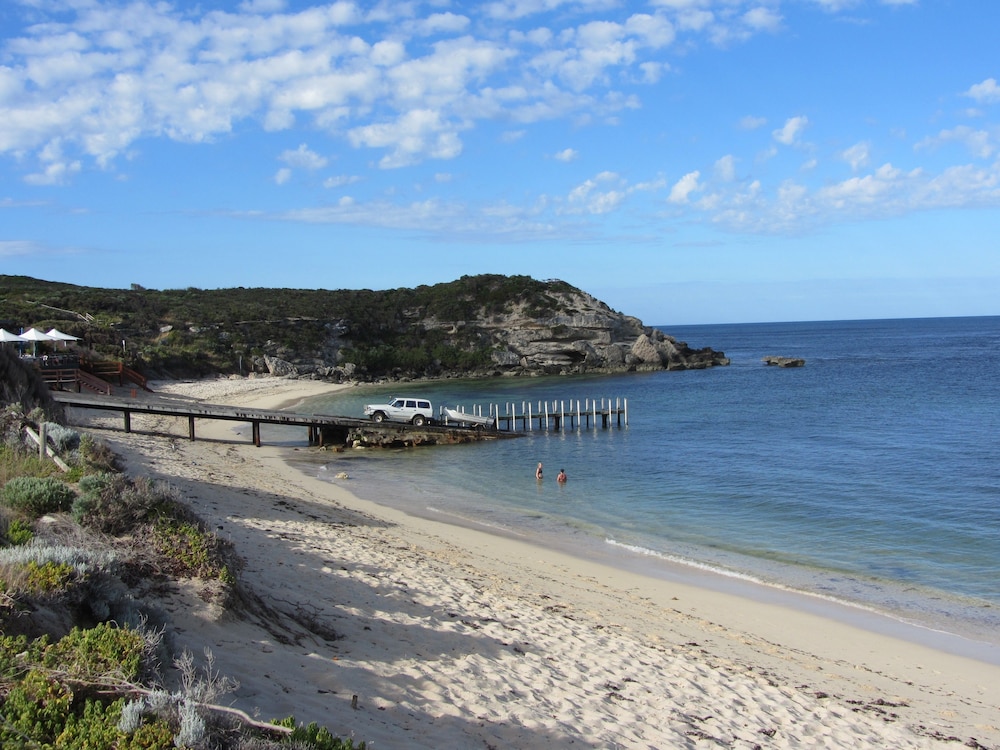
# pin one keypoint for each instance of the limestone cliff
(582, 334)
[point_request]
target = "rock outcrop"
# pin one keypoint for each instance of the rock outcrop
(546, 328)
(783, 361)
(578, 334)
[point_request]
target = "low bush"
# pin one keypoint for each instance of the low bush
(103, 653)
(36, 496)
(95, 456)
(57, 694)
(315, 736)
(193, 552)
(16, 533)
(47, 577)
(63, 438)
(16, 461)
(83, 585)
(115, 504)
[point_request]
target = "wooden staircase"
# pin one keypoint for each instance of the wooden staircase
(112, 371)
(86, 374)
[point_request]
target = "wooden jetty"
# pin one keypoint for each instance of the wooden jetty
(322, 429)
(554, 415)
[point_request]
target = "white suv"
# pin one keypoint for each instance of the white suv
(418, 411)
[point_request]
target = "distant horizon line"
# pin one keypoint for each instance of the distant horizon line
(665, 326)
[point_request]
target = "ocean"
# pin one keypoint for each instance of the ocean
(865, 484)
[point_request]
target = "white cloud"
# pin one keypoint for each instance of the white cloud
(417, 133)
(303, 158)
(340, 181)
(57, 169)
(888, 191)
(653, 31)
(725, 168)
(695, 20)
(762, 19)
(567, 155)
(388, 52)
(104, 75)
(13, 248)
(836, 5)
(587, 198)
(262, 6)
(652, 72)
(987, 92)
(282, 176)
(789, 133)
(980, 143)
(750, 122)
(442, 22)
(857, 155)
(682, 189)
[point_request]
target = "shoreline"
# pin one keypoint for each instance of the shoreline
(961, 642)
(451, 635)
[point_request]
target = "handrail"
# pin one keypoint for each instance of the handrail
(93, 382)
(123, 373)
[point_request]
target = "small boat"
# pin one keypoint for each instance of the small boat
(472, 420)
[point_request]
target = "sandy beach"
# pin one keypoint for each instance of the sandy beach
(405, 632)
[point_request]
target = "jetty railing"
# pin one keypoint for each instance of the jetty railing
(553, 415)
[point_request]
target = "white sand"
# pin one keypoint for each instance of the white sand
(452, 638)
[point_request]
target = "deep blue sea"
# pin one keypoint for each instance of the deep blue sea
(869, 477)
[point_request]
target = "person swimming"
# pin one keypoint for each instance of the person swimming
(538, 471)
(562, 476)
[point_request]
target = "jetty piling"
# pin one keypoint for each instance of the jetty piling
(556, 415)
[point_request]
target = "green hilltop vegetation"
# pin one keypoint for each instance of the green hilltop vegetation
(191, 332)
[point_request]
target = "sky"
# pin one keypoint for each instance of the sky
(685, 161)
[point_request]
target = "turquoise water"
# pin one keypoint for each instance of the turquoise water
(870, 476)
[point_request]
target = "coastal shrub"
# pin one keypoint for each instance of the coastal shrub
(36, 496)
(194, 552)
(187, 710)
(17, 461)
(22, 385)
(63, 438)
(35, 709)
(47, 577)
(41, 569)
(94, 484)
(84, 584)
(95, 456)
(97, 726)
(313, 736)
(98, 654)
(61, 694)
(83, 560)
(116, 504)
(16, 533)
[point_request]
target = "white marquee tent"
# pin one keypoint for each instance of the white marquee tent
(8, 337)
(34, 336)
(57, 335)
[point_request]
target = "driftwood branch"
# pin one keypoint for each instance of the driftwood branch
(110, 687)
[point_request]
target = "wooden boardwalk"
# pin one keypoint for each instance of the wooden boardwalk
(326, 429)
(322, 428)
